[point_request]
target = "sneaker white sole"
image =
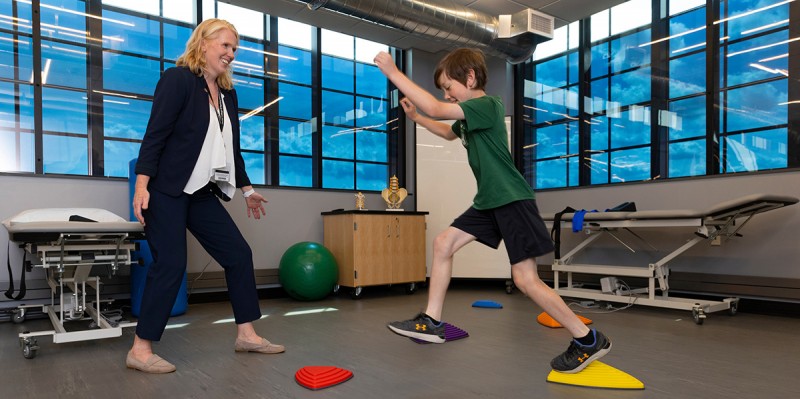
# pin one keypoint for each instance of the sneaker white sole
(420, 336)
(598, 355)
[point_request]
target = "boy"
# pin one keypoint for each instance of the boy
(503, 209)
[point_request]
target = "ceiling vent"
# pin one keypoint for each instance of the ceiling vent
(513, 37)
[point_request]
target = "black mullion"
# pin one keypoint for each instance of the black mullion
(15, 34)
(316, 108)
(94, 79)
(38, 123)
(713, 93)
(793, 133)
(584, 91)
(397, 141)
(272, 125)
(659, 90)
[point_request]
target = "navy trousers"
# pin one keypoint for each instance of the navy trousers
(166, 221)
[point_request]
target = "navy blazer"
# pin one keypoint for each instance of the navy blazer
(177, 128)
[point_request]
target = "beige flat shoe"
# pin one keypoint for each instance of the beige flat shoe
(264, 347)
(153, 365)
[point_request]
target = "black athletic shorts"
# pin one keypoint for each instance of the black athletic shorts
(518, 224)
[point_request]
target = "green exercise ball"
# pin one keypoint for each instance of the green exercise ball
(308, 271)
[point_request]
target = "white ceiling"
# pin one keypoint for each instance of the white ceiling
(564, 11)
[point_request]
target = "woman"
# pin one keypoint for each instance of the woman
(189, 156)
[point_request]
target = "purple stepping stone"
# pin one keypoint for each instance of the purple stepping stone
(451, 333)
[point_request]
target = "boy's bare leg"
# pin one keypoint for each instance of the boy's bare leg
(526, 278)
(445, 246)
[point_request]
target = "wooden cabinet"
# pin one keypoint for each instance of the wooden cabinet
(376, 247)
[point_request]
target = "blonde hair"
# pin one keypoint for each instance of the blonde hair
(193, 57)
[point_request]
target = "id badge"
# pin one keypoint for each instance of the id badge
(221, 175)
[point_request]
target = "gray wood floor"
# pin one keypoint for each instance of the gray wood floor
(506, 355)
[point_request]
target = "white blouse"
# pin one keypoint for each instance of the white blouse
(217, 153)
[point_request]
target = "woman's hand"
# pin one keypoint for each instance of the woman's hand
(255, 205)
(141, 197)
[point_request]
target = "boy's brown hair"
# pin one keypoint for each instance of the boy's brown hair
(457, 65)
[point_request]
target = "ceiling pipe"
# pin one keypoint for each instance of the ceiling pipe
(513, 37)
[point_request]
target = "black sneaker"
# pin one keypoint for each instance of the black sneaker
(578, 356)
(420, 327)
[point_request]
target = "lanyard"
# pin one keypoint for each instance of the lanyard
(219, 112)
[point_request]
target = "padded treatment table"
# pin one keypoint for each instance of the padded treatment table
(716, 224)
(68, 250)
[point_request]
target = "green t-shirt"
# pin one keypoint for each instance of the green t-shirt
(483, 134)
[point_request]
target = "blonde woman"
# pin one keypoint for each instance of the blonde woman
(189, 159)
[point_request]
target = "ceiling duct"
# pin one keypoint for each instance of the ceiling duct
(513, 37)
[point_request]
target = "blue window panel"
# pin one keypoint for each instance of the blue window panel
(551, 173)
(684, 23)
(26, 106)
(254, 165)
(371, 177)
(338, 142)
(630, 165)
(573, 71)
(371, 146)
(296, 102)
(574, 168)
(574, 137)
(250, 58)
(65, 155)
(554, 104)
(117, 156)
(598, 164)
(551, 141)
(740, 27)
(756, 106)
(294, 137)
(63, 65)
(747, 67)
(627, 54)
(756, 151)
(125, 73)
(64, 111)
(53, 19)
(687, 75)
(134, 35)
(295, 171)
(631, 128)
(688, 118)
(24, 12)
(337, 174)
(687, 158)
(17, 152)
(11, 95)
(631, 87)
(552, 73)
(24, 52)
(338, 109)
(337, 74)
(125, 118)
(250, 92)
(371, 113)
(251, 133)
(175, 38)
(600, 59)
(599, 96)
(295, 65)
(599, 133)
(370, 81)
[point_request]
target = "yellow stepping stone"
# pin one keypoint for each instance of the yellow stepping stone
(597, 375)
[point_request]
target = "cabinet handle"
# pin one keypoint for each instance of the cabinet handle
(388, 231)
(397, 226)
